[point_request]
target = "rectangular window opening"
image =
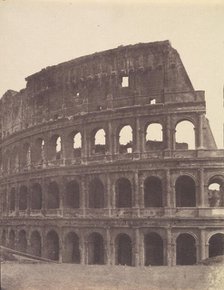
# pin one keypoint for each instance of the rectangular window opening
(125, 82)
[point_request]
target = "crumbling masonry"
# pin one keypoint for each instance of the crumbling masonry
(85, 180)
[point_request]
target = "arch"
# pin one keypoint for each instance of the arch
(12, 199)
(36, 196)
(52, 246)
(96, 249)
(154, 137)
(12, 239)
(186, 252)
(216, 245)
(126, 139)
(22, 242)
(185, 135)
(216, 191)
(123, 193)
(35, 244)
(123, 245)
(55, 147)
(185, 190)
(153, 192)
(72, 251)
(23, 195)
(77, 144)
(96, 193)
(3, 238)
(99, 141)
(153, 244)
(53, 199)
(38, 151)
(72, 195)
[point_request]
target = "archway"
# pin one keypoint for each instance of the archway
(52, 246)
(22, 242)
(72, 252)
(12, 201)
(153, 249)
(216, 245)
(96, 193)
(153, 192)
(123, 193)
(23, 194)
(35, 244)
(53, 200)
(123, 250)
(185, 135)
(12, 239)
(185, 250)
(95, 249)
(216, 191)
(72, 195)
(99, 142)
(154, 137)
(77, 144)
(126, 140)
(36, 196)
(185, 192)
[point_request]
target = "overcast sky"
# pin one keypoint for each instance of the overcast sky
(37, 34)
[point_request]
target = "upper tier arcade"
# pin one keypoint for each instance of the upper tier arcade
(134, 75)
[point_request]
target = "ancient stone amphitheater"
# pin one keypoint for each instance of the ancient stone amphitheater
(93, 167)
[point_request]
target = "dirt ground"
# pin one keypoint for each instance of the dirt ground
(45, 276)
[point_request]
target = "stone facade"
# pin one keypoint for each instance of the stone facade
(73, 190)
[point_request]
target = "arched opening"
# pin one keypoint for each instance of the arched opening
(38, 152)
(185, 135)
(22, 242)
(77, 144)
(95, 249)
(12, 201)
(3, 238)
(153, 249)
(216, 191)
(153, 192)
(154, 137)
(12, 239)
(99, 142)
(185, 192)
(185, 250)
(23, 194)
(26, 155)
(72, 195)
(53, 200)
(55, 148)
(123, 193)
(96, 193)
(123, 250)
(36, 196)
(72, 252)
(126, 140)
(52, 246)
(35, 244)
(216, 245)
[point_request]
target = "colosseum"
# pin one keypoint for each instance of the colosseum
(93, 167)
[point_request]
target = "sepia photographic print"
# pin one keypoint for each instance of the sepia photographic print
(111, 145)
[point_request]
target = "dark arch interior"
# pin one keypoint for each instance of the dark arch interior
(96, 194)
(53, 196)
(23, 192)
(72, 252)
(95, 249)
(22, 242)
(36, 197)
(12, 239)
(216, 245)
(153, 250)
(153, 192)
(35, 243)
(124, 250)
(52, 246)
(124, 193)
(3, 238)
(12, 202)
(185, 192)
(72, 195)
(37, 154)
(185, 250)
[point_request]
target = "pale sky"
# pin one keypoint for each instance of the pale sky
(35, 34)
